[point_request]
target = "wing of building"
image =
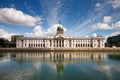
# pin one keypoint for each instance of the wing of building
(60, 41)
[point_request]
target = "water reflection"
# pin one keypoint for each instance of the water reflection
(66, 57)
(59, 66)
(114, 56)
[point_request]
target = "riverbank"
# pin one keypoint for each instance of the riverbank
(59, 49)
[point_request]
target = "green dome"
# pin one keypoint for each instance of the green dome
(59, 28)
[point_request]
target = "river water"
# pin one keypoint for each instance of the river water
(59, 66)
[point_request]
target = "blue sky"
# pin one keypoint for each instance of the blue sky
(39, 18)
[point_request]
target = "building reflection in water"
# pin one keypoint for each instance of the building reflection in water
(60, 56)
(57, 58)
(57, 61)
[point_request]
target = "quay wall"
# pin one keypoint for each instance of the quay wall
(60, 49)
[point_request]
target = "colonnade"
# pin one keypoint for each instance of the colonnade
(59, 43)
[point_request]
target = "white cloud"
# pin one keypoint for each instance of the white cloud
(94, 34)
(17, 17)
(107, 19)
(37, 65)
(115, 3)
(38, 31)
(5, 34)
(103, 26)
(107, 69)
(98, 6)
(116, 25)
(86, 36)
(115, 33)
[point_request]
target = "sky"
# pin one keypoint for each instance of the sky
(40, 18)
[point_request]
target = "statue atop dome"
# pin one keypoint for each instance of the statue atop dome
(60, 30)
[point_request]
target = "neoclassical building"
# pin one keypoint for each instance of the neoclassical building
(60, 41)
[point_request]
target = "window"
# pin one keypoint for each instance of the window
(86, 45)
(36, 45)
(76, 45)
(83, 45)
(29, 45)
(41, 45)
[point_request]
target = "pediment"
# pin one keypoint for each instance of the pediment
(60, 38)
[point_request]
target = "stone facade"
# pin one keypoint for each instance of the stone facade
(60, 41)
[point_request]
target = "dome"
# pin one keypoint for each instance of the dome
(59, 28)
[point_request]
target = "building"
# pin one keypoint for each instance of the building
(13, 40)
(14, 37)
(60, 41)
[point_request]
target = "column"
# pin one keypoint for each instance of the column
(51, 43)
(61, 43)
(85, 43)
(58, 43)
(55, 43)
(64, 43)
